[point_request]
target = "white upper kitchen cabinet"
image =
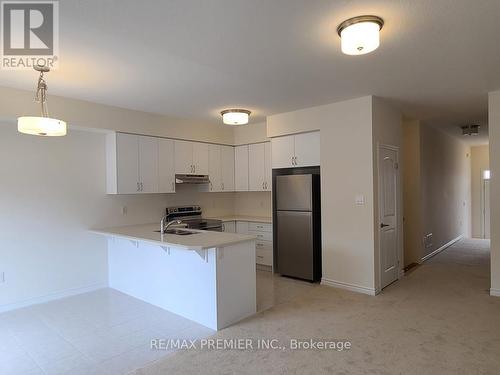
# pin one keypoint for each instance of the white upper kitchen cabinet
(200, 158)
(268, 170)
(299, 150)
(131, 164)
(283, 151)
(126, 152)
(184, 157)
(227, 163)
(215, 167)
(148, 164)
(191, 157)
(259, 167)
(307, 149)
(221, 168)
(241, 168)
(166, 166)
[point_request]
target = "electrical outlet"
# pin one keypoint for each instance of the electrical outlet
(2, 277)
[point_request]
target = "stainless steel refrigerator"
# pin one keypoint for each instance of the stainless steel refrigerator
(297, 223)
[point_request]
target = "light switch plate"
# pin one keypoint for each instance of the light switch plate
(359, 200)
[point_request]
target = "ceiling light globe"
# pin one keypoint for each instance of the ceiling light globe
(360, 35)
(235, 116)
(43, 126)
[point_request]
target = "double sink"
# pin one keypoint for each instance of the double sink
(179, 232)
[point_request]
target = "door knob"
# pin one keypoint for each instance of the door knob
(382, 225)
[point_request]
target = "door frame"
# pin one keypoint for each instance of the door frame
(483, 204)
(399, 220)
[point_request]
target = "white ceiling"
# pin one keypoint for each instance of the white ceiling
(191, 58)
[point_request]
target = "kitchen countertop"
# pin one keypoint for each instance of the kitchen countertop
(253, 219)
(199, 241)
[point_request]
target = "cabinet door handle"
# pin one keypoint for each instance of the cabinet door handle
(223, 186)
(223, 228)
(142, 186)
(173, 185)
(138, 186)
(262, 185)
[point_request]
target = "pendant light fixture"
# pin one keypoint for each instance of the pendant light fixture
(360, 35)
(43, 125)
(235, 116)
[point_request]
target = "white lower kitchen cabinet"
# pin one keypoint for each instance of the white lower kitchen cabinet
(229, 227)
(263, 243)
(242, 227)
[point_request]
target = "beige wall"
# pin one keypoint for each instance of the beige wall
(480, 161)
(251, 133)
(445, 174)
(53, 191)
(411, 193)
(78, 113)
(349, 130)
(494, 134)
(437, 191)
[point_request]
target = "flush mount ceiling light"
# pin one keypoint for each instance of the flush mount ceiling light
(43, 125)
(360, 35)
(470, 129)
(235, 116)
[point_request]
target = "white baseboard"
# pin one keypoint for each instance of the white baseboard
(495, 292)
(448, 244)
(347, 286)
(51, 297)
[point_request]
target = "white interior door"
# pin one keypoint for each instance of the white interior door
(214, 167)
(166, 166)
(486, 209)
(388, 214)
(127, 163)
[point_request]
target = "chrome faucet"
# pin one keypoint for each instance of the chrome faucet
(164, 227)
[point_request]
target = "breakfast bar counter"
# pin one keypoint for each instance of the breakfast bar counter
(208, 277)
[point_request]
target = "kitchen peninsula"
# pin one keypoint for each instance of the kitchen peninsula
(208, 277)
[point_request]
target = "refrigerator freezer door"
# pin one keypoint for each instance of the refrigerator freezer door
(294, 192)
(295, 244)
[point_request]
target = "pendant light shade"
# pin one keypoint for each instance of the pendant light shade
(360, 35)
(41, 125)
(235, 116)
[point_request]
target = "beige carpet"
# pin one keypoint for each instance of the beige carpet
(439, 319)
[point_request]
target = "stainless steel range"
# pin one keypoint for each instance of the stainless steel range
(192, 217)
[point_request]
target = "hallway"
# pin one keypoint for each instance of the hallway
(439, 319)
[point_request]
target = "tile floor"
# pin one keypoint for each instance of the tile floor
(105, 332)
